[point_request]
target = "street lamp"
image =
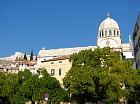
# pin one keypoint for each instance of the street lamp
(46, 97)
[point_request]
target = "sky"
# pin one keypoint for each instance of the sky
(27, 25)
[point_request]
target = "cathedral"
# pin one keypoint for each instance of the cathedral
(109, 34)
(56, 61)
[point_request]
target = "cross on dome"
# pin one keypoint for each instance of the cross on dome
(108, 14)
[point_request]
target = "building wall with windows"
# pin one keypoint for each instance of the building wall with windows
(57, 67)
(136, 43)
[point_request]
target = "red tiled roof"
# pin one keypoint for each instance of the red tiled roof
(58, 58)
(25, 62)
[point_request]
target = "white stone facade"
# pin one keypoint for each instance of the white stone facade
(108, 35)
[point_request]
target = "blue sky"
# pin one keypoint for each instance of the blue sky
(33, 24)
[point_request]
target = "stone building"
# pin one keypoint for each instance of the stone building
(136, 43)
(58, 67)
(109, 34)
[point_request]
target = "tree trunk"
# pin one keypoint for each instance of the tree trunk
(32, 102)
(100, 102)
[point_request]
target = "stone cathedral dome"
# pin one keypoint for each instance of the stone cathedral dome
(109, 28)
(108, 23)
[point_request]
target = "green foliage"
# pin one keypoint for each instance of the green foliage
(2, 80)
(25, 57)
(100, 75)
(25, 86)
(135, 91)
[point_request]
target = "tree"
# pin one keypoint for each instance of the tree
(3, 96)
(31, 56)
(99, 75)
(2, 79)
(36, 58)
(135, 92)
(25, 86)
(10, 87)
(25, 57)
(56, 93)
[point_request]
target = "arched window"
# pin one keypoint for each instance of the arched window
(102, 33)
(117, 32)
(105, 32)
(110, 32)
(114, 32)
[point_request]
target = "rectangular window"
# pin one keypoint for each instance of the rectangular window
(52, 72)
(60, 61)
(60, 71)
(139, 41)
(52, 62)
